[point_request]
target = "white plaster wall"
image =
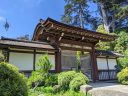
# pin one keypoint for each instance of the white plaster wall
(51, 58)
(24, 61)
(102, 64)
(112, 63)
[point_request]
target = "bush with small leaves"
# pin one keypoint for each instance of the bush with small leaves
(64, 79)
(39, 76)
(56, 88)
(80, 79)
(51, 80)
(123, 76)
(2, 58)
(12, 83)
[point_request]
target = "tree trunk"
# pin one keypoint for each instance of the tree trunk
(108, 18)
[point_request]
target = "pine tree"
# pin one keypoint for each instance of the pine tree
(76, 13)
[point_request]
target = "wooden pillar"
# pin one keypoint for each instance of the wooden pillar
(108, 67)
(34, 59)
(94, 65)
(58, 60)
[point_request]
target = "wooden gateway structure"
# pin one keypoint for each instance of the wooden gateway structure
(61, 41)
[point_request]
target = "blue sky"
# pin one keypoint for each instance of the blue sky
(23, 15)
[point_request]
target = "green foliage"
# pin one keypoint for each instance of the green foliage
(123, 61)
(104, 45)
(76, 13)
(73, 93)
(121, 42)
(40, 75)
(44, 64)
(45, 89)
(80, 79)
(101, 29)
(64, 79)
(72, 80)
(78, 61)
(12, 83)
(115, 10)
(123, 76)
(48, 91)
(2, 58)
(121, 46)
(122, 12)
(51, 80)
(35, 78)
(57, 88)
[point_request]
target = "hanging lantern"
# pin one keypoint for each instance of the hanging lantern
(6, 26)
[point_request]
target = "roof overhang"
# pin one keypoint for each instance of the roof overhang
(14, 43)
(59, 33)
(56, 27)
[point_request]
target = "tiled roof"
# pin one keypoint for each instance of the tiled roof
(25, 43)
(108, 53)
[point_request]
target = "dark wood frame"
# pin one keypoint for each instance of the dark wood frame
(57, 33)
(108, 70)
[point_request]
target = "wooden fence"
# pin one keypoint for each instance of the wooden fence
(107, 74)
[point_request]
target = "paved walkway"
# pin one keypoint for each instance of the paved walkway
(108, 89)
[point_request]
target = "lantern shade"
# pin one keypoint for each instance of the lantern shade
(6, 26)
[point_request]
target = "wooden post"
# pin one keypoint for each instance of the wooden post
(108, 67)
(58, 60)
(94, 65)
(34, 59)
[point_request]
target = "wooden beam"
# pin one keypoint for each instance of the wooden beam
(30, 52)
(76, 43)
(25, 47)
(82, 32)
(75, 49)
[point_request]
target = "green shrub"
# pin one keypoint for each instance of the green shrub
(80, 79)
(73, 93)
(39, 76)
(64, 79)
(56, 88)
(51, 80)
(2, 58)
(45, 89)
(35, 79)
(12, 83)
(123, 76)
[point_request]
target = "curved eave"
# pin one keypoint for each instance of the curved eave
(103, 37)
(36, 31)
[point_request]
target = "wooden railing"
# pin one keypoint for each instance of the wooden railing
(107, 74)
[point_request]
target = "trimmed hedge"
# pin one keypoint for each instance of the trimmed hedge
(123, 76)
(80, 79)
(64, 79)
(72, 80)
(12, 83)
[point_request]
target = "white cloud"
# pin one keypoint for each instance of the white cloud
(33, 2)
(39, 1)
(2, 19)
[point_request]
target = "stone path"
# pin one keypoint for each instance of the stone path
(108, 89)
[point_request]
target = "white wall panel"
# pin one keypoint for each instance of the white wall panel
(51, 58)
(102, 63)
(24, 61)
(112, 63)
